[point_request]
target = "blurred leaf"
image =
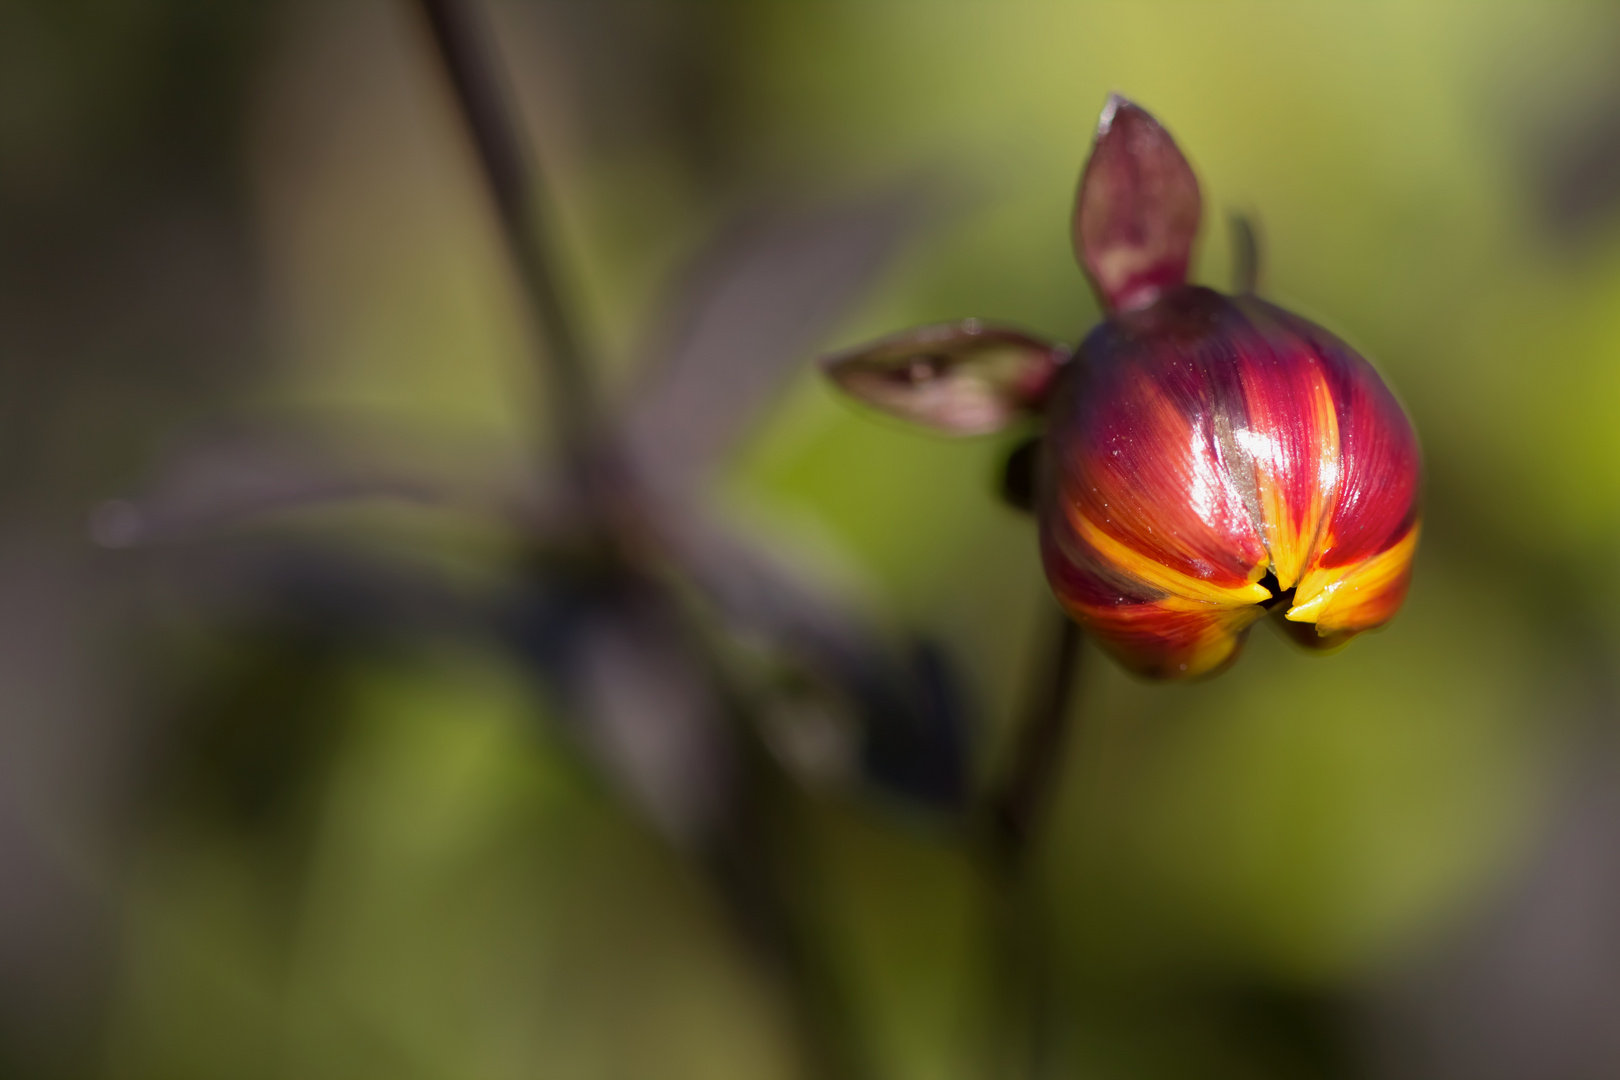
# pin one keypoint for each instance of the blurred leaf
(837, 693)
(741, 319)
(216, 481)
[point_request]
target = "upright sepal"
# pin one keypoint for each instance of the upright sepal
(1137, 211)
(961, 378)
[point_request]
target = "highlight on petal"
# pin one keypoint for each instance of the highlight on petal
(963, 378)
(1287, 439)
(1136, 214)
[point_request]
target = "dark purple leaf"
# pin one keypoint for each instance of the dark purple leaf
(222, 480)
(851, 706)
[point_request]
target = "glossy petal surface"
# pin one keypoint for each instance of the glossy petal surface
(1209, 457)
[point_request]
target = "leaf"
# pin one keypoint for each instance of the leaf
(961, 378)
(653, 715)
(877, 710)
(741, 318)
(215, 481)
(1136, 214)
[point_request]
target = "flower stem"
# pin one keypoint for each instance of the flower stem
(1017, 803)
(739, 865)
(516, 185)
(1020, 980)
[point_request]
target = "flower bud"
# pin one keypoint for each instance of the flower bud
(1210, 458)
(1207, 459)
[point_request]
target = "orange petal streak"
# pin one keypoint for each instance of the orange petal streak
(1123, 559)
(1358, 596)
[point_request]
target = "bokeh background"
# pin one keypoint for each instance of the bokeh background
(273, 445)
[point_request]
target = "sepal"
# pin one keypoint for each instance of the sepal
(1136, 213)
(963, 378)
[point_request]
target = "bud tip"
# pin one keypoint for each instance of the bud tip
(1111, 107)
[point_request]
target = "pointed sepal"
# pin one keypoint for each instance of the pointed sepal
(962, 378)
(1136, 214)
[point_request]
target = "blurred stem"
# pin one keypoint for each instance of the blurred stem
(761, 872)
(1245, 255)
(1017, 803)
(515, 183)
(1020, 984)
(743, 866)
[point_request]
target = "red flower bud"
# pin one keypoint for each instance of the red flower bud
(1207, 458)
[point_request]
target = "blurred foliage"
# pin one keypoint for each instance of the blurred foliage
(354, 854)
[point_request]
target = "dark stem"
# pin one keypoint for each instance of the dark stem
(1245, 255)
(1016, 804)
(1020, 982)
(759, 872)
(473, 68)
(740, 865)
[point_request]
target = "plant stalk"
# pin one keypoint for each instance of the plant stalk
(1018, 803)
(516, 186)
(738, 864)
(1020, 982)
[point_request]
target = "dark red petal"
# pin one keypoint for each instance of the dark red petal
(961, 378)
(1136, 214)
(1376, 501)
(1156, 635)
(1142, 447)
